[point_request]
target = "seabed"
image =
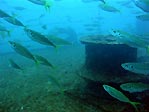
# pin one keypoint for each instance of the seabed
(32, 91)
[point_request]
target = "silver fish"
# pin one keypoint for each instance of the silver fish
(142, 4)
(144, 17)
(38, 2)
(43, 61)
(3, 14)
(134, 87)
(14, 21)
(14, 64)
(138, 68)
(36, 36)
(124, 2)
(45, 3)
(58, 40)
(22, 50)
(19, 8)
(108, 8)
(120, 96)
(129, 39)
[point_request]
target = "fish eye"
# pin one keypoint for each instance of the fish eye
(14, 45)
(131, 67)
(31, 33)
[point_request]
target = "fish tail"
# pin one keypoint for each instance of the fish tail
(56, 49)
(53, 45)
(134, 105)
(51, 66)
(47, 5)
(14, 15)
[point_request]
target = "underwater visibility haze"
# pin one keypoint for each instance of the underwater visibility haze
(74, 55)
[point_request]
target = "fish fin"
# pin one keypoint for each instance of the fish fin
(37, 63)
(14, 14)
(13, 17)
(134, 105)
(25, 27)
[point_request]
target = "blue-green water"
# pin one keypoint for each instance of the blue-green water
(71, 85)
